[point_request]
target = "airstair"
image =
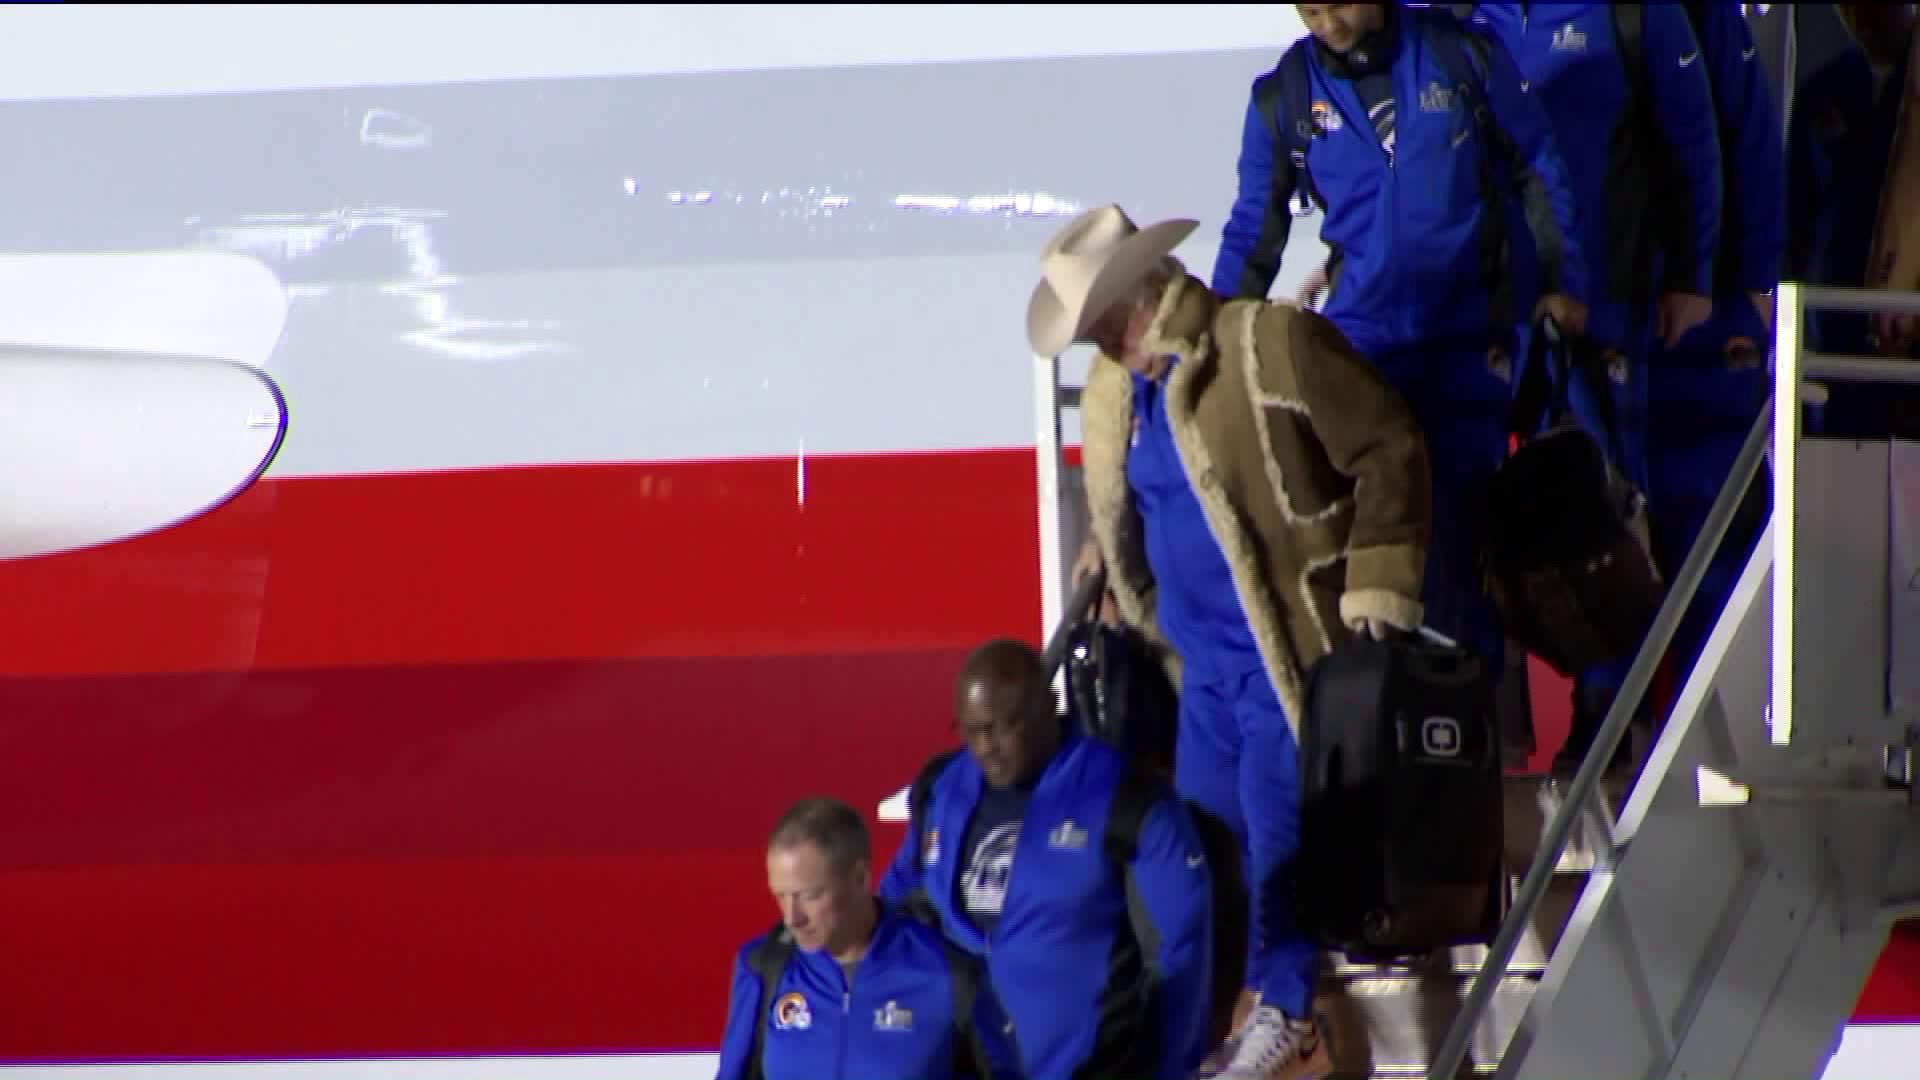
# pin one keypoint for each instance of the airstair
(1717, 920)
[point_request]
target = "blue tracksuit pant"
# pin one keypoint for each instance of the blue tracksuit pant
(1463, 405)
(1628, 448)
(1236, 758)
(1700, 415)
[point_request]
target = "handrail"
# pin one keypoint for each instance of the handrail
(1582, 796)
(1586, 782)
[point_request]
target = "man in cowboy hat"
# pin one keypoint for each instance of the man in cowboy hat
(1256, 492)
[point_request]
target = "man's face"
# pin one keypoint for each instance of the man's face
(1118, 333)
(1340, 26)
(820, 907)
(1003, 730)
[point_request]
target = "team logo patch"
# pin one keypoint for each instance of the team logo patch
(892, 1017)
(790, 1013)
(1324, 116)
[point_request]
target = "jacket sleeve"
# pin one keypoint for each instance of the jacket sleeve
(1254, 239)
(1539, 174)
(991, 1026)
(1369, 435)
(743, 1012)
(1754, 162)
(1677, 79)
(1175, 888)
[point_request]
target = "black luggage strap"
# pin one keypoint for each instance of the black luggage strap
(1542, 398)
(769, 960)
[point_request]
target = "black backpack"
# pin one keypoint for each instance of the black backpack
(1567, 557)
(770, 958)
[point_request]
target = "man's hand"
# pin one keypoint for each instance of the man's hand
(1679, 312)
(1571, 314)
(1741, 354)
(1377, 629)
(1763, 305)
(1085, 564)
(1309, 291)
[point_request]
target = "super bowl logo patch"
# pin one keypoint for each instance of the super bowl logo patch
(790, 1013)
(930, 851)
(892, 1018)
(1324, 116)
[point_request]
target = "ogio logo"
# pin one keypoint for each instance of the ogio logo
(1440, 736)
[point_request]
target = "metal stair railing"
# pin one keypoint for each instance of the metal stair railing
(1583, 799)
(1583, 794)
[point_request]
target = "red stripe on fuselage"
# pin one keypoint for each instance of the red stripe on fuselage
(553, 562)
(432, 764)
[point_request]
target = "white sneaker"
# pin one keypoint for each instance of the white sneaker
(1274, 1046)
(1216, 1062)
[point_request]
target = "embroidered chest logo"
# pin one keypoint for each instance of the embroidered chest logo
(1067, 837)
(891, 1017)
(790, 1013)
(1325, 117)
(930, 850)
(1570, 38)
(1436, 99)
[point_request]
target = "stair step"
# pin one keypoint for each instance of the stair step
(1530, 958)
(1531, 801)
(1389, 1025)
(1385, 1020)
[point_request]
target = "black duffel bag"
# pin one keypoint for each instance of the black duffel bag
(1567, 554)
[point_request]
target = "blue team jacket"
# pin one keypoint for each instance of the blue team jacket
(1567, 55)
(1844, 123)
(1753, 208)
(1409, 229)
(895, 1023)
(1064, 961)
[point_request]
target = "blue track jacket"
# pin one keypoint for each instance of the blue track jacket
(1078, 985)
(1409, 232)
(1567, 55)
(1753, 224)
(895, 1023)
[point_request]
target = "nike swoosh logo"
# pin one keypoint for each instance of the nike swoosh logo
(1194, 862)
(1689, 58)
(1747, 53)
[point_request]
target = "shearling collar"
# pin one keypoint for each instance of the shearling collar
(1182, 321)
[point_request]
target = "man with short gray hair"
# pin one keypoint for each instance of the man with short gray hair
(847, 986)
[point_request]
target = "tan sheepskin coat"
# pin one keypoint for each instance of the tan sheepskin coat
(1311, 470)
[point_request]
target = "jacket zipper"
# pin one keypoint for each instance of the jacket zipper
(846, 1017)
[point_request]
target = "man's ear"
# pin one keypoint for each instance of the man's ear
(863, 876)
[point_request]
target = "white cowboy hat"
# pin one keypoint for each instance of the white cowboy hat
(1087, 266)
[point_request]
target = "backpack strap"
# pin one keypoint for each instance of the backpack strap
(917, 904)
(1627, 20)
(917, 794)
(1133, 799)
(1285, 98)
(1462, 54)
(970, 1051)
(769, 960)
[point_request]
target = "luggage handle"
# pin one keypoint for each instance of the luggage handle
(1084, 601)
